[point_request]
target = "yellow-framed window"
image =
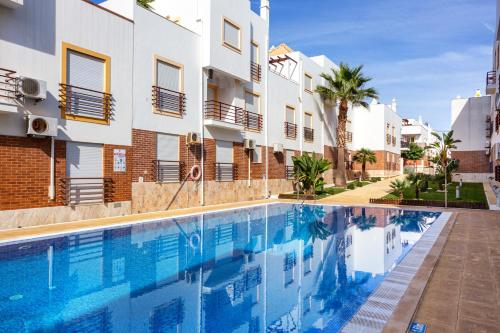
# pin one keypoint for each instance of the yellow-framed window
(231, 35)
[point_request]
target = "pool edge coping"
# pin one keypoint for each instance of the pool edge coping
(392, 306)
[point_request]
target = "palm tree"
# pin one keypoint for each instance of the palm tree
(145, 3)
(414, 154)
(399, 186)
(346, 86)
(442, 146)
(308, 171)
(364, 156)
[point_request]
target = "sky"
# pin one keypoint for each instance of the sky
(422, 52)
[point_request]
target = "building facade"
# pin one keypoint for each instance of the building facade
(102, 113)
(416, 131)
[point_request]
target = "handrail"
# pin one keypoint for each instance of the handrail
(255, 71)
(289, 172)
(168, 100)
(168, 171)
(308, 134)
(290, 130)
(85, 190)
(78, 101)
(224, 112)
(7, 83)
(253, 121)
(225, 172)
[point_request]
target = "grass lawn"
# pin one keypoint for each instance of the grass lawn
(472, 192)
(326, 193)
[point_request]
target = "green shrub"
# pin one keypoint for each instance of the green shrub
(351, 186)
(375, 179)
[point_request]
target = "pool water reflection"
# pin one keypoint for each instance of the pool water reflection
(275, 268)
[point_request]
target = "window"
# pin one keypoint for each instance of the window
(307, 304)
(168, 93)
(85, 85)
(289, 268)
(231, 35)
(308, 120)
(257, 155)
(167, 152)
(308, 83)
(224, 161)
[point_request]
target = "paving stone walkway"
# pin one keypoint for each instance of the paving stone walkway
(463, 294)
(361, 195)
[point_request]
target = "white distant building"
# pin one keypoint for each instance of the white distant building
(418, 132)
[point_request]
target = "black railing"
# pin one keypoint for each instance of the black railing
(348, 137)
(491, 78)
(225, 172)
(290, 130)
(77, 101)
(168, 171)
(308, 134)
(289, 172)
(76, 191)
(255, 71)
(388, 139)
(168, 100)
(405, 144)
(7, 83)
(224, 112)
(253, 121)
(393, 140)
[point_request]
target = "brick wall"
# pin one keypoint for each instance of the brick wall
(472, 161)
(209, 157)
(25, 172)
(276, 167)
(384, 161)
(240, 159)
(330, 153)
(143, 155)
(121, 181)
(258, 170)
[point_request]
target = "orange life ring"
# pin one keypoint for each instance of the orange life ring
(195, 173)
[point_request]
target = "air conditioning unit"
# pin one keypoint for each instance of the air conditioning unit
(249, 144)
(31, 88)
(278, 148)
(193, 138)
(41, 126)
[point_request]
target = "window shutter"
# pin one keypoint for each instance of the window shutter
(224, 151)
(85, 71)
(290, 115)
(308, 120)
(308, 82)
(84, 160)
(231, 34)
(252, 102)
(168, 76)
(254, 53)
(168, 147)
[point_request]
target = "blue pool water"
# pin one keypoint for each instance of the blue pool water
(275, 268)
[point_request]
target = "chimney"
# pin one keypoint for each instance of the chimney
(264, 9)
(394, 105)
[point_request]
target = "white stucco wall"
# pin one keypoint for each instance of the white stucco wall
(31, 40)
(468, 121)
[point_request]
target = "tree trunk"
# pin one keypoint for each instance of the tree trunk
(363, 171)
(341, 175)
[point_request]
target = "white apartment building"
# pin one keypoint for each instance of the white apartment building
(418, 132)
(378, 128)
(113, 108)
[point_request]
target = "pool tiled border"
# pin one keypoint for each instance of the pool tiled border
(402, 288)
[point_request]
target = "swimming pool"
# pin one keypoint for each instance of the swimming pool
(267, 268)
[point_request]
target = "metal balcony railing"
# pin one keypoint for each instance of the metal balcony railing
(225, 172)
(290, 130)
(76, 191)
(388, 139)
(289, 172)
(394, 141)
(168, 171)
(255, 71)
(168, 100)
(253, 121)
(7, 83)
(348, 137)
(405, 144)
(77, 101)
(224, 112)
(491, 78)
(308, 134)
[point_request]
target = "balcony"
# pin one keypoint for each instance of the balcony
(77, 102)
(253, 121)
(289, 172)
(255, 71)
(308, 134)
(225, 172)
(290, 130)
(394, 141)
(388, 139)
(168, 171)
(491, 80)
(405, 145)
(165, 100)
(348, 137)
(78, 191)
(218, 114)
(7, 91)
